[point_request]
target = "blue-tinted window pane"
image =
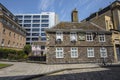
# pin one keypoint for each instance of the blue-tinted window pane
(36, 29)
(43, 39)
(27, 25)
(28, 34)
(36, 16)
(36, 25)
(44, 25)
(36, 21)
(27, 29)
(45, 21)
(28, 39)
(19, 17)
(45, 16)
(34, 39)
(27, 21)
(20, 21)
(42, 29)
(27, 16)
(42, 47)
(35, 34)
(43, 34)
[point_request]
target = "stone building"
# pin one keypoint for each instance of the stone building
(12, 35)
(93, 38)
(77, 42)
(109, 18)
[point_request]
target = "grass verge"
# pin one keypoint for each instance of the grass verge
(4, 65)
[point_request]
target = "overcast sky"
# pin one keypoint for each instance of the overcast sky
(62, 7)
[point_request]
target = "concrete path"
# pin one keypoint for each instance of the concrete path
(26, 69)
(22, 68)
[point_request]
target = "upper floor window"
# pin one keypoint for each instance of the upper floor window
(4, 31)
(101, 37)
(59, 36)
(27, 17)
(103, 52)
(45, 16)
(44, 25)
(45, 21)
(43, 39)
(35, 29)
(73, 36)
(59, 53)
(42, 47)
(27, 21)
(9, 33)
(89, 37)
(90, 52)
(9, 42)
(36, 16)
(36, 25)
(36, 21)
(27, 25)
(2, 42)
(74, 52)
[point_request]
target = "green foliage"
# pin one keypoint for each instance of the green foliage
(27, 49)
(12, 54)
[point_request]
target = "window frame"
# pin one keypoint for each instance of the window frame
(59, 52)
(74, 52)
(61, 35)
(88, 37)
(101, 52)
(103, 38)
(89, 52)
(73, 34)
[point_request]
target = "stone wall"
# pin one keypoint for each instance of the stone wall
(82, 55)
(82, 49)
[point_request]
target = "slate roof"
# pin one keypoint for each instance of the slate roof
(83, 26)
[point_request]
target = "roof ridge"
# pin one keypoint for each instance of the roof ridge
(97, 26)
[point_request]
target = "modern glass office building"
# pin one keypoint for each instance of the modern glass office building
(35, 25)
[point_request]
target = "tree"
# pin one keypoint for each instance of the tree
(27, 49)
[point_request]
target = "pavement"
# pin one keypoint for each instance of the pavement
(23, 69)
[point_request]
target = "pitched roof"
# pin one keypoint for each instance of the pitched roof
(84, 26)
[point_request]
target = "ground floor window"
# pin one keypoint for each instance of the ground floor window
(74, 52)
(90, 52)
(59, 52)
(103, 52)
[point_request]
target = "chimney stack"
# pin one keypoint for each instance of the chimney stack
(74, 15)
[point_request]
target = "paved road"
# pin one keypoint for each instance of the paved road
(22, 69)
(111, 73)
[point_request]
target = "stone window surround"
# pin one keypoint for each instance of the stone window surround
(73, 35)
(59, 35)
(59, 52)
(74, 52)
(102, 38)
(103, 52)
(90, 52)
(89, 36)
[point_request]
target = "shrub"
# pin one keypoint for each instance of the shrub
(27, 49)
(12, 54)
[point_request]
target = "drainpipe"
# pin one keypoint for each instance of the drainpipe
(1, 36)
(115, 53)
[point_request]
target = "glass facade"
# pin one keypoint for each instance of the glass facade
(35, 25)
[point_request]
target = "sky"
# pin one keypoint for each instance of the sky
(62, 8)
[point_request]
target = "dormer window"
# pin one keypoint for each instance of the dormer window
(59, 36)
(89, 37)
(73, 36)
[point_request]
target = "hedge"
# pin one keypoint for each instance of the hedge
(12, 54)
